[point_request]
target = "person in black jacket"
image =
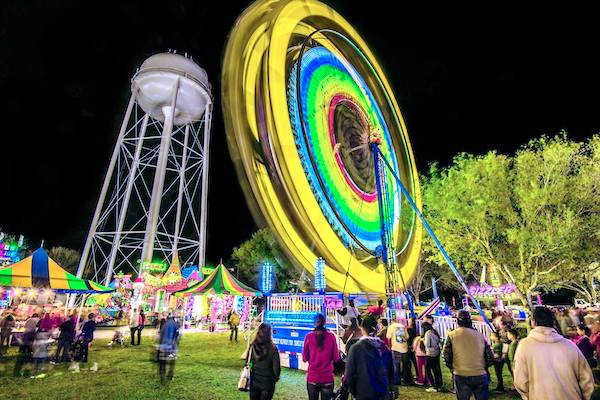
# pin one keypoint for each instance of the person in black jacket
(265, 368)
(87, 333)
(67, 334)
(370, 366)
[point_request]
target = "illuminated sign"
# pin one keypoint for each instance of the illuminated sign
(487, 290)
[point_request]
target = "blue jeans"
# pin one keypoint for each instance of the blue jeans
(471, 385)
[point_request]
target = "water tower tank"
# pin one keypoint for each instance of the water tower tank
(156, 80)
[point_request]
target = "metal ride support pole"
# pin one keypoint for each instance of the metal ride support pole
(204, 194)
(159, 180)
(388, 253)
(181, 184)
(130, 180)
(435, 239)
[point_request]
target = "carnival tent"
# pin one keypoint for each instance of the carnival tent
(220, 281)
(40, 271)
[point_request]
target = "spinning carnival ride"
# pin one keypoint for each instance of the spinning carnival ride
(321, 148)
(310, 117)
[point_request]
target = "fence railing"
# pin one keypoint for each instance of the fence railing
(443, 325)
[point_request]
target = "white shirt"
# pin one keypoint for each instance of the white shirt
(351, 312)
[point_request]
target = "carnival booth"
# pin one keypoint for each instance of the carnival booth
(211, 300)
(38, 281)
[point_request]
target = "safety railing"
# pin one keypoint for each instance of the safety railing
(443, 325)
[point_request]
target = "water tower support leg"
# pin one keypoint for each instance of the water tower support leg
(159, 180)
(130, 180)
(204, 194)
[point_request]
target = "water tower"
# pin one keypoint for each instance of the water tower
(153, 202)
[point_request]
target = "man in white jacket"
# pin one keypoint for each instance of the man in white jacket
(548, 366)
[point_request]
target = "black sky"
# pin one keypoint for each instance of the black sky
(467, 79)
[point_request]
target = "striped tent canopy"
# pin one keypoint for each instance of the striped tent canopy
(220, 281)
(40, 271)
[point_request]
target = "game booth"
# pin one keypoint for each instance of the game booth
(38, 284)
(208, 303)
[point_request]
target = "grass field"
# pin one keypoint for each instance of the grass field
(208, 367)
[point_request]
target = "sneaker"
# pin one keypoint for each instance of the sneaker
(53, 363)
(431, 390)
(419, 383)
(40, 376)
(94, 367)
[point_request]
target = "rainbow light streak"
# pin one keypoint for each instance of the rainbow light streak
(326, 82)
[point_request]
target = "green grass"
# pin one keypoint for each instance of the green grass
(208, 367)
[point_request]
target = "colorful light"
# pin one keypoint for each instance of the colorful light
(289, 317)
(320, 282)
(338, 112)
(266, 279)
(487, 290)
(303, 99)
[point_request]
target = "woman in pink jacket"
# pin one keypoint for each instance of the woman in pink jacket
(419, 350)
(320, 351)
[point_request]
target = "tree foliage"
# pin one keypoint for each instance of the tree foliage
(65, 257)
(531, 215)
(261, 247)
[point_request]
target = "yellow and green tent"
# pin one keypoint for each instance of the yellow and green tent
(40, 271)
(220, 281)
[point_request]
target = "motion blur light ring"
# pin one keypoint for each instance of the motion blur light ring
(302, 96)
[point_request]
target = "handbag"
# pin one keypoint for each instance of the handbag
(244, 382)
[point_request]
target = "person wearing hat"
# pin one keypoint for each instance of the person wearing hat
(467, 354)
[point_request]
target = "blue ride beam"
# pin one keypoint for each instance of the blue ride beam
(384, 228)
(435, 239)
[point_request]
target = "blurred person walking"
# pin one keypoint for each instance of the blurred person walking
(168, 343)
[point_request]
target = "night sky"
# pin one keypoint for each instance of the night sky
(466, 80)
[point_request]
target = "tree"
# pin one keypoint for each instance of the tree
(587, 194)
(261, 247)
(524, 215)
(65, 257)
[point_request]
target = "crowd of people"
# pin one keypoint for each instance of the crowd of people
(379, 357)
(35, 339)
(55, 339)
(550, 363)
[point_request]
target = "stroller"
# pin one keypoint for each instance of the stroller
(339, 367)
(78, 349)
(342, 393)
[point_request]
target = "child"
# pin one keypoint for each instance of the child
(40, 352)
(513, 336)
(419, 350)
(498, 360)
(117, 338)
